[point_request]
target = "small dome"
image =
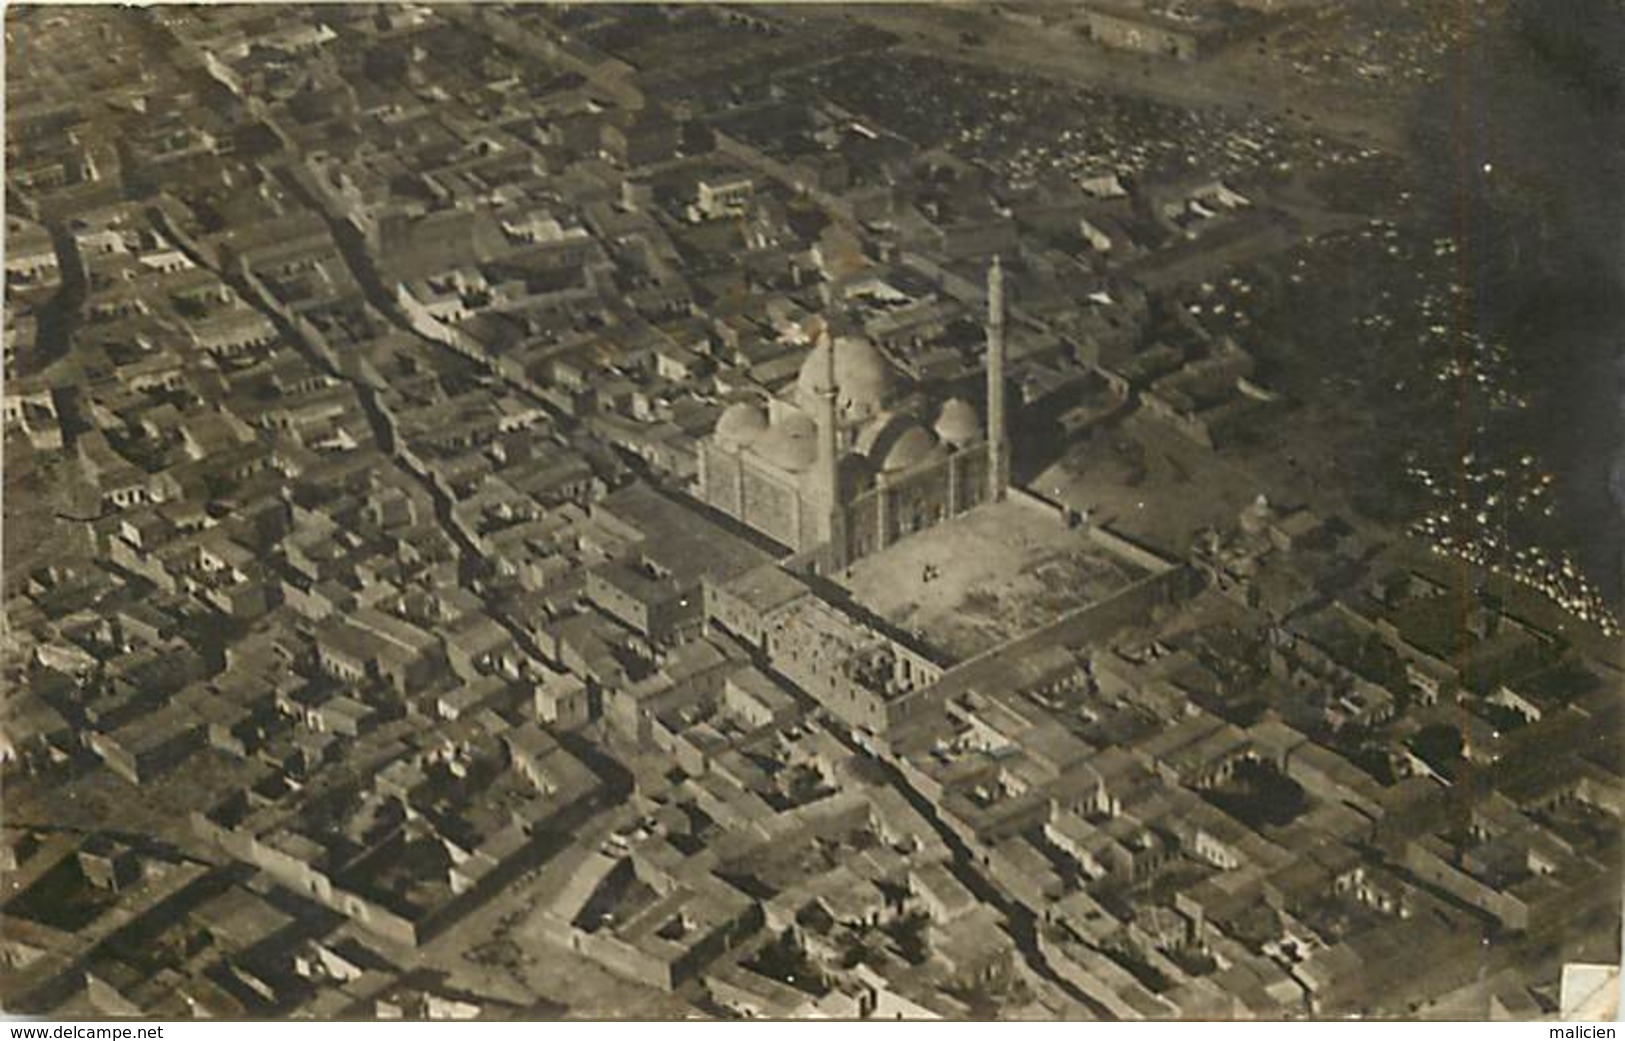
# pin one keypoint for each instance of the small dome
(913, 447)
(878, 431)
(741, 423)
(958, 424)
(790, 444)
(863, 378)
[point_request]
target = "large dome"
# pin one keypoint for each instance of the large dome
(789, 444)
(957, 424)
(863, 378)
(741, 424)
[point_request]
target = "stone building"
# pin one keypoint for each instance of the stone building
(854, 457)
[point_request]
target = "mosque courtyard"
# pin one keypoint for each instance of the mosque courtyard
(986, 577)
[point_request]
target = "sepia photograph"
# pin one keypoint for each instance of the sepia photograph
(1015, 510)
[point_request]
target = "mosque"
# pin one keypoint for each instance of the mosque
(853, 457)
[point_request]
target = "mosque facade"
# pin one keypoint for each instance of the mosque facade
(853, 457)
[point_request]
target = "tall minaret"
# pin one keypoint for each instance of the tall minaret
(829, 461)
(998, 445)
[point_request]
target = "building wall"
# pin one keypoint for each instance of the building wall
(780, 507)
(1427, 866)
(815, 650)
(660, 615)
(719, 478)
(920, 709)
(567, 710)
(737, 616)
(759, 498)
(916, 500)
(770, 506)
(670, 970)
(874, 518)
